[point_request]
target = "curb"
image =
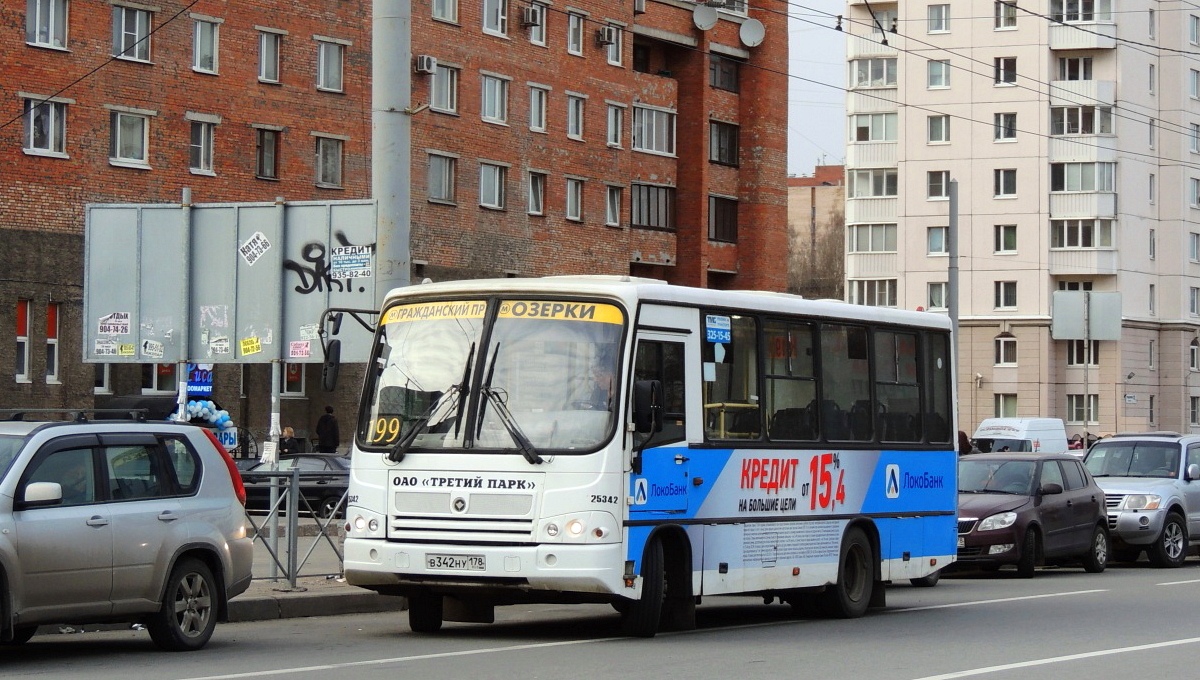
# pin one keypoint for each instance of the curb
(288, 606)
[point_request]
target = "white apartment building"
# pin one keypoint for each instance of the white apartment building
(1072, 128)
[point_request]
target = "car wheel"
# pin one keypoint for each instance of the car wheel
(329, 506)
(1170, 550)
(1029, 549)
(642, 616)
(188, 615)
(927, 581)
(425, 613)
(20, 635)
(1096, 558)
(851, 595)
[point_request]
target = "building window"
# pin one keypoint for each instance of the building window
(1081, 410)
(873, 292)
(939, 128)
(442, 171)
(329, 66)
(1006, 238)
(495, 17)
(1076, 10)
(654, 130)
(1152, 246)
(574, 33)
(616, 122)
(1075, 285)
(537, 32)
(1005, 70)
(1006, 350)
(1006, 405)
(1004, 183)
(329, 162)
(1194, 409)
(129, 138)
(1081, 120)
(1151, 300)
(494, 108)
(491, 185)
(938, 184)
(1082, 176)
(46, 23)
(1151, 188)
(204, 46)
(1006, 295)
(574, 199)
(1194, 355)
(1194, 247)
(652, 206)
(102, 383)
(939, 18)
(1150, 354)
(1194, 83)
(1006, 15)
(1077, 352)
(131, 33)
(1086, 233)
(1004, 127)
(446, 10)
(723, 73)
(879, 72)
(873, 127)
(1151, 77)
(537, 193)
(1194, 304)
(266, 154)
(872, 238)
(1194, 138)
(268, 56)
(876, 183)
(538, 97)
(1194, 29)
(722, 219)
(937, 295)
(1151, 129)
(45, 126)
(1074, 68)
(612, 207)
(22, 357)
(443, 91)
(291, 380)
(722, 143)
(935, 239)
(575, 105)
(1195, 192)
(200, 150)
(159, 379)
(939, 73)
(883, 20)
(615, 49)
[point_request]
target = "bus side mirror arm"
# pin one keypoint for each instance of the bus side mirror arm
(647, 417)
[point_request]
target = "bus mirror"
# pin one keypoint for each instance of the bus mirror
(648, 406)
(329, 369)
(337, 323)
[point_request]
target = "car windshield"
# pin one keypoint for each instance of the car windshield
(10, 446)
(996, 476)
(1133, 459)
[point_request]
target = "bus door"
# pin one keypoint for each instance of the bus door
(664, 482)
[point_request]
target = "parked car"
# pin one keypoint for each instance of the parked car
(119, 521)
(1151, 485)
(324, 479)
(1027, 509)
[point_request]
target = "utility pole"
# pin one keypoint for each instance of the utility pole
(391, 140)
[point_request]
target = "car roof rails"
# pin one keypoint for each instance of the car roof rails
(1160, 433)
(78, 415)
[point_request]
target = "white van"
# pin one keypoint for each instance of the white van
(1042, 435)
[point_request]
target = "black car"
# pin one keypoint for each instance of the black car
(1027, 509)
(324, 479)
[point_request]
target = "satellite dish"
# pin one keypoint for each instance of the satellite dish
(704, 17)
(752, 33)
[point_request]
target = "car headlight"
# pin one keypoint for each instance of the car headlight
(1002, 520)
(1141, 501)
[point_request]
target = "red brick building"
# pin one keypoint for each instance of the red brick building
(588, 137)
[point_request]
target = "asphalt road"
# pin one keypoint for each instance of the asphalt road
(1129, 622)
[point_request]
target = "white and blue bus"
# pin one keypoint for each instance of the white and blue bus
(619, 440)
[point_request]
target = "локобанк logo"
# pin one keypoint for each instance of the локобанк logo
(892, 481)
(641, 491)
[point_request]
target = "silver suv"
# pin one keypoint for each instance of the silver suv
(1151, 484)
(119, 521)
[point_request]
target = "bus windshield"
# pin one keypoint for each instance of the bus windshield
(498, 374)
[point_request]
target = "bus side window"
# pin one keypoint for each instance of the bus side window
(663, 361)
(731, 400)
(789, 381)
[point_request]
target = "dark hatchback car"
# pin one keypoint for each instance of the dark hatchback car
(324, 479)
(1027, 509)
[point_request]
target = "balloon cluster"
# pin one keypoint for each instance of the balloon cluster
(208, 411)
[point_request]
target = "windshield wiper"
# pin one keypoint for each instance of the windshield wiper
(421, 422)
(506, 417)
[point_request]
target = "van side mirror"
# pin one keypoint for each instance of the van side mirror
(648, 406)
(333, 361)
(1051, 488)
(39, 494)
(1193, 472)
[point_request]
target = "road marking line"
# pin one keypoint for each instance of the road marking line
(1002, 599)
(1177, 583)
(1059, 659)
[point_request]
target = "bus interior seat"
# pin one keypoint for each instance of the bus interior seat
(833, 420)
(792, 423)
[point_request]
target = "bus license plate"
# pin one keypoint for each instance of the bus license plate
(455, 562)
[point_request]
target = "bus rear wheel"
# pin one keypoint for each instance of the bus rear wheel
(850, 596)
(643, 615)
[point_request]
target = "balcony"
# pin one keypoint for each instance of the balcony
(871, 265)
(1085, 35)
(1083, 204)
(871, 45)
(1083, 92)
(1081, 262)
(1084, 148)
(873, 100)
(871, 155)
(866, 210)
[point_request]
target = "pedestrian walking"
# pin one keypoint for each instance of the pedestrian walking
(327, 432)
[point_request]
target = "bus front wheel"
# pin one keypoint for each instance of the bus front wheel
(425, 613)
(850, 596)
(642, 616)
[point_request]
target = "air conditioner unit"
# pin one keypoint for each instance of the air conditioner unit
(426, 63)
(531, 16)
(639, 6)
(607, 35)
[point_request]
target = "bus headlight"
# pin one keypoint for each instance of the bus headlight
(585, 527)
(575, 528)
(552, 530)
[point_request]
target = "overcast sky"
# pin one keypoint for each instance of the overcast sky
(816, 113)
